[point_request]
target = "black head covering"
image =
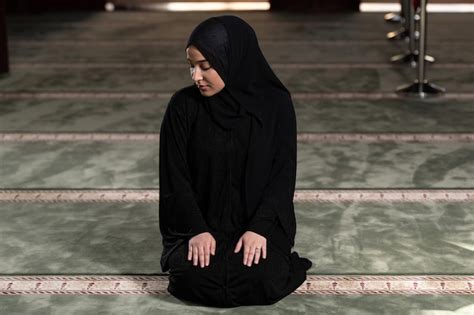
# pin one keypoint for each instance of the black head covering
(231, 47)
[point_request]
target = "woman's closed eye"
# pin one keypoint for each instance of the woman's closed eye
(204, 68)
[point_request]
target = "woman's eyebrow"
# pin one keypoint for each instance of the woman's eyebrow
(199, 61)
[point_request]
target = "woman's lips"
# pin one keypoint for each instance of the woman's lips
(203, 87)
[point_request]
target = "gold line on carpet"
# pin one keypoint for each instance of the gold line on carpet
(182, 65)
(167, 95)
(307, 137)
(179, 42)
(314, 284)
(301, 195)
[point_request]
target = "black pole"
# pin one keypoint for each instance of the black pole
(422, 49)
(402, 32)
(409, 56)
(421, 87)
(395, 17)
(4, 67)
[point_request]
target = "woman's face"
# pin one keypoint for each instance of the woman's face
(204, 76)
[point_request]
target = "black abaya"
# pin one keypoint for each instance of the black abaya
(228, 165)
(214, 164)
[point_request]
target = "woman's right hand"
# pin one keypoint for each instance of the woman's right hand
(201, 246)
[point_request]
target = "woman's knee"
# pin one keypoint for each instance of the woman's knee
(197, 285)
(189, 274)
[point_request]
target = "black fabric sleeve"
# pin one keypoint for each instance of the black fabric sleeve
(279, 192)
(179, 213)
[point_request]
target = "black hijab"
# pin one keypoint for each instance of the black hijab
(231, 47)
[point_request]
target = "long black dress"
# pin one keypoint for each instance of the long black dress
(213, 168)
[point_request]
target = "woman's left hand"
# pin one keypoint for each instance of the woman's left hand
(254, 245)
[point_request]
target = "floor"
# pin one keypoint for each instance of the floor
(384, 185)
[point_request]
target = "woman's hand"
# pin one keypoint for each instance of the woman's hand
(254, 244)
(200, 247)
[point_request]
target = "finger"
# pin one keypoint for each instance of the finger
(239, 245)
(195, 255)
(201, 256)
(264, 251)
(257, 255)
(190, 252)
(213, 247)
(207, 253)
(246, 253)
(250, 258)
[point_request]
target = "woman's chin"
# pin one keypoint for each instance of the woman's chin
(206, 93)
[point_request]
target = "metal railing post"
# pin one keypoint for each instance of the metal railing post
(402, 32)
(421, 87)
(395, 17)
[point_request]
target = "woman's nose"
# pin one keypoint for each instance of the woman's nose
(196, 74)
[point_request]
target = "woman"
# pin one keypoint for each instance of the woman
(227, 175)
